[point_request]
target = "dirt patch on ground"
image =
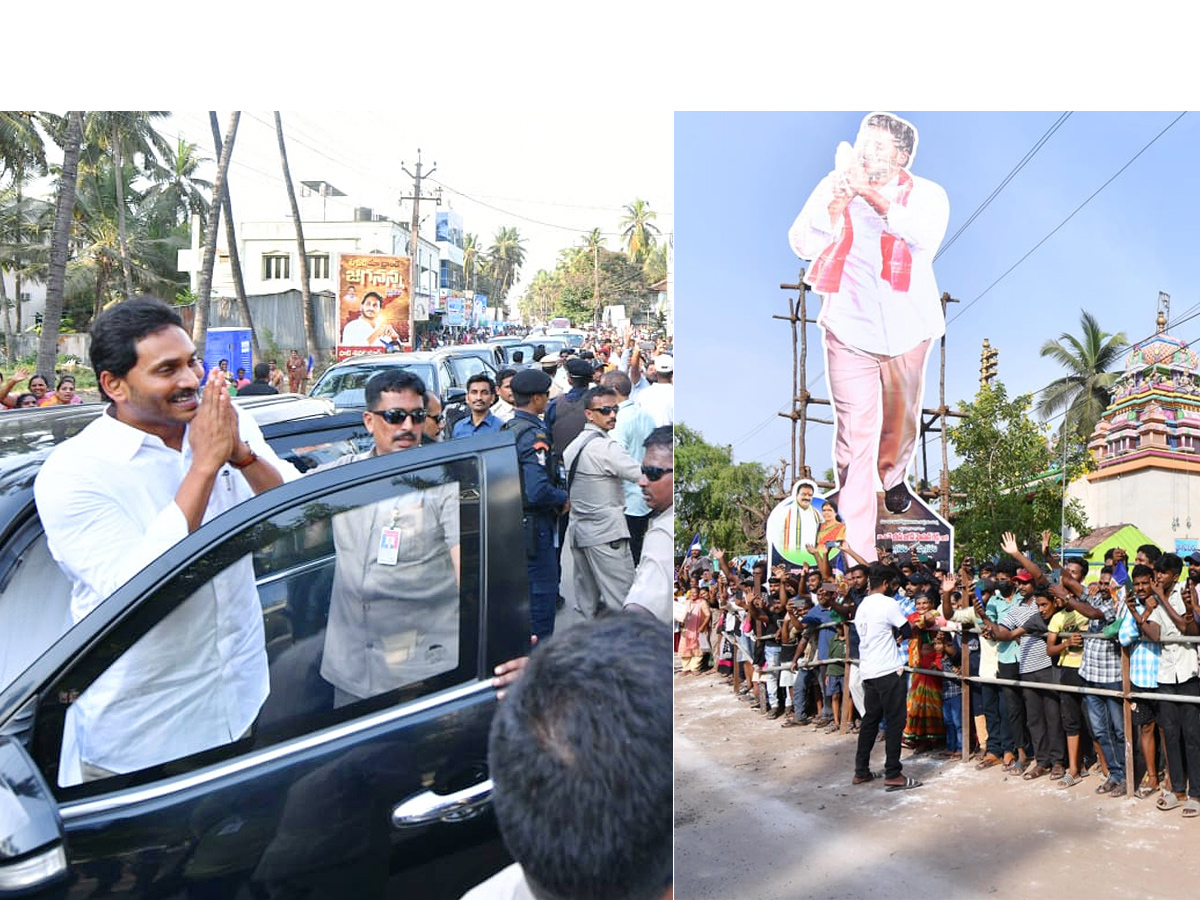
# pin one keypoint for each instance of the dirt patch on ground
(764, 812)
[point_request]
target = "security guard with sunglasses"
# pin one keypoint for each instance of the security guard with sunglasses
(544, 498)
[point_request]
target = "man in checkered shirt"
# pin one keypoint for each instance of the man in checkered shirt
(1141, 630)
(1101, 668)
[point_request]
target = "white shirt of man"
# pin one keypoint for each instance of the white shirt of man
(659, 401)
(878, 652)
(1177, 663)
(197, 679)
(866, 312)
(651, 587)
(357, 333)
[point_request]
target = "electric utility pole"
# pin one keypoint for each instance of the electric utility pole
(414, 268)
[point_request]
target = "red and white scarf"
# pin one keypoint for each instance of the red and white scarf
(826, 275)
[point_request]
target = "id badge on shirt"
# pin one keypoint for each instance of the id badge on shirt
(389, 547)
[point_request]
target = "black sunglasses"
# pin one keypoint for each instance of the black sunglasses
(653, 473)
(396, 416)
(604, 410)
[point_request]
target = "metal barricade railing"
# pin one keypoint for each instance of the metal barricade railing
(1127, 695)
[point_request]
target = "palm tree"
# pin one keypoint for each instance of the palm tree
(470, 260)
(310, 331)
(638, 233)
(235, 259)
(204, 292)
(47, 353)
(507, 253)
(123, 137)
(1085, 392)
(25, 226)
(593, 241)
(178, 192)
(22, 153)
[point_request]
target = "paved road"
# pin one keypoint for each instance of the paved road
(763, 812)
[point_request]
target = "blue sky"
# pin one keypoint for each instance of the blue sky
(741, 178)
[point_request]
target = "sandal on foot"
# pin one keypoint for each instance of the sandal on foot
(1057, 772)
(987, 762)
(1167, 801)
(1069, 780)
(1107, 787)
(870, 776)
(1117, 790)
(909, 784)
(789, 723)
(1035, 771)
(1145, 791)
(1191, 808)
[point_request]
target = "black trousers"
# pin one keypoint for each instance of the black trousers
(637, 534)
(1180, 723)
(1014, 707)
(1044, 718)
(883, 696)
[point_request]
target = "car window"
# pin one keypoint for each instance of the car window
(35, 600)
(355, 378)
(466, 366)
(341, 604)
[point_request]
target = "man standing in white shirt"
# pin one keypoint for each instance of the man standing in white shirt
(879, 622)
(871, 230)
(137, 480)
(659, 398)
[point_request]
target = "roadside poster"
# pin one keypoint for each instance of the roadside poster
(374, 309)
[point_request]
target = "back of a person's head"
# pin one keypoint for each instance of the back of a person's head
(878, 575)
(1151, 552)
(581, 763)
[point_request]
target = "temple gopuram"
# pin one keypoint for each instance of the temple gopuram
(1147, 446)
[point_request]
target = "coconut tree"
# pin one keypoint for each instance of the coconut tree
(637, 231)
(235, 259)
(25, 227)
(310, 330)
(204, 292)
(507, 254)
(47, 353)
(178, 191)
(471, 259)
(593, 242)
(1086, 390)
(124, 138)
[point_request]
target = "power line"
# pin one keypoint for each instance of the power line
(1007, 178)
(1068, 218)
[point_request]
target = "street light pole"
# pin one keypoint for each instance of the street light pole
(414, 240)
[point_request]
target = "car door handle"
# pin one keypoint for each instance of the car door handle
(427, 807)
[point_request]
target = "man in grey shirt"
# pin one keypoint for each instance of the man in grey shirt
(393, 616)
(599, 535)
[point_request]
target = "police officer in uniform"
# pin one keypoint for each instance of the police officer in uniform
(543, 498)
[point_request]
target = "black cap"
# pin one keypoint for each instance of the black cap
(1194, 559)
(531, 381)
(579, 368)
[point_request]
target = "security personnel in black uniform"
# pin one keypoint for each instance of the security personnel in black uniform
(544, 497)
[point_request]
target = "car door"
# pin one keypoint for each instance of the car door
(377, 791)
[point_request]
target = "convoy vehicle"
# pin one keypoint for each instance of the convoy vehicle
(384, 797)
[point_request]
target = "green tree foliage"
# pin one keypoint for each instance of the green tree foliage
(1009, 474)
(570, 290)
(710, 491)
(638, 232)
(1086, 390)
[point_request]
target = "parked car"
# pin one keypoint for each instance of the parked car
(444, 372)
(529, 345)
(385, 797)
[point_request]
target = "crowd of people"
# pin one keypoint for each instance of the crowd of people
(897, 635)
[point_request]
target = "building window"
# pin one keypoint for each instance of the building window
(318, 265)
(276, 266)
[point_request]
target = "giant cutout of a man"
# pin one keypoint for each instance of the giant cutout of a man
(871, 230)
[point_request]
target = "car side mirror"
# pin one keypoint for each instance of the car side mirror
(32, 849)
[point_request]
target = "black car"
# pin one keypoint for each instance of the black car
(387, 796)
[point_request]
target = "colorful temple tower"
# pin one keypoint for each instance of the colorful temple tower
(1147, 446)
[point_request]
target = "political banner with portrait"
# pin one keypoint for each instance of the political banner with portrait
(870, 230)
(374, 309)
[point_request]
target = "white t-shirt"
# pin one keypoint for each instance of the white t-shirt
(878, 652)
